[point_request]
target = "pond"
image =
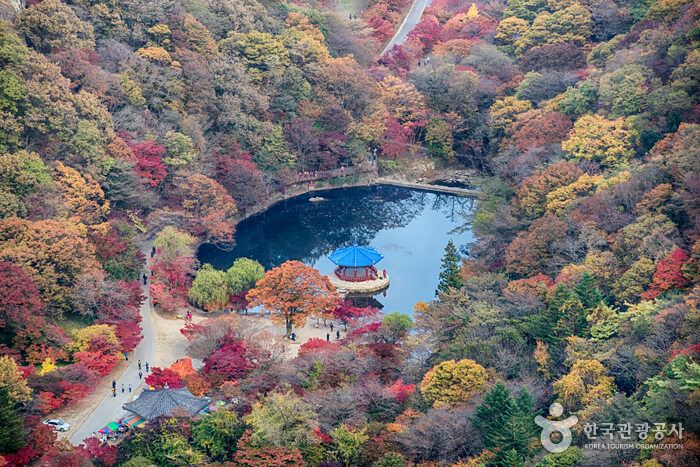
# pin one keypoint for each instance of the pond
(409, 227)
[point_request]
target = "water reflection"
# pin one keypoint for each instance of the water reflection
(409, 227)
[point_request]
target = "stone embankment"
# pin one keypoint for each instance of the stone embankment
(345, 288)
(426, 186)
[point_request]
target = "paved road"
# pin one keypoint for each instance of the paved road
(110, 409)
(412, 18)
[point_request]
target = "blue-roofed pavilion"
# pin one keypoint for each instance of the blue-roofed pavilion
(356, 263)
(355, 256)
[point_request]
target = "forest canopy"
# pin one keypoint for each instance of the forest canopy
(126, 125)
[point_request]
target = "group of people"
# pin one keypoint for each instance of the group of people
(307, 174)
(188, 316)
(129, 387)
(293, 336)
(337, 333)
(328, 334)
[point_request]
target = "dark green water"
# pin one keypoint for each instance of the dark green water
(409, 227)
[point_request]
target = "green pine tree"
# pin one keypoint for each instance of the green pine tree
(11, 424)
(566, 304)
(511, 458)
(449, 270)
(588, 292)
(507, 425)
(489, 415)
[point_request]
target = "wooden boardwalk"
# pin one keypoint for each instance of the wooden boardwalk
(425, 186)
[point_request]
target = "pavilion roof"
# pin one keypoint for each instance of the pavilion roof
(155, 402)
(355, 256)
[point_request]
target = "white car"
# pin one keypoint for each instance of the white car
(57, 425)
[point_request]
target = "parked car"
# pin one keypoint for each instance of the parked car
(58, 425)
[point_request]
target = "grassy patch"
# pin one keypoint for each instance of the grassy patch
(73, 322)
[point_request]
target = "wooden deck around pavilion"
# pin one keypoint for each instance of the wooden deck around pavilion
(345, 288)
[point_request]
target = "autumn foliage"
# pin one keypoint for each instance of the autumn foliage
(149, 160)
(577, 121)
(451, 382)
(293, 292)
(160, 377)
(668, 275)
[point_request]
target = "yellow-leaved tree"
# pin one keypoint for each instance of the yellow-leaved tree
(83, 196)
(452, 383)
(598, 139)
(586, 382)
(11, 378)
(85, 338)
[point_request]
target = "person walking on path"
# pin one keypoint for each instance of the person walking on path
(328, 336)
(337, 334)
(114, 392)
(126, 356)
(122, 388)
(144, 278)
(147, 367)
(153, 251)
(114, 383)
(139, 363)
(331, 327)
(140, 375)
(130, 388)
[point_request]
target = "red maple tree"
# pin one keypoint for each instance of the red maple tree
(21, 308)
(159, 377)
(149, 161)
(401, 391)
(317, 345)
(668, 275)
(229, 362)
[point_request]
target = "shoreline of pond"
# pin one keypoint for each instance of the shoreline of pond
(409, 226)
(375, 182)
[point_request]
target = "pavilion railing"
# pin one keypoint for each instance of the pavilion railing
(351, 277)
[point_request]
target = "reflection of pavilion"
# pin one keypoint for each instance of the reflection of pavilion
(356, 274)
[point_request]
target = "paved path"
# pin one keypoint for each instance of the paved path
(426, 186)
(110, 409)
(409, 22)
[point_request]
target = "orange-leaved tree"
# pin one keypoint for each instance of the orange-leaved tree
(292, 292)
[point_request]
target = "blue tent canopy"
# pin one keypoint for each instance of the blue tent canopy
(355, 256)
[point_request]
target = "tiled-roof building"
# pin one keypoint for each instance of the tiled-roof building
(155, 402)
